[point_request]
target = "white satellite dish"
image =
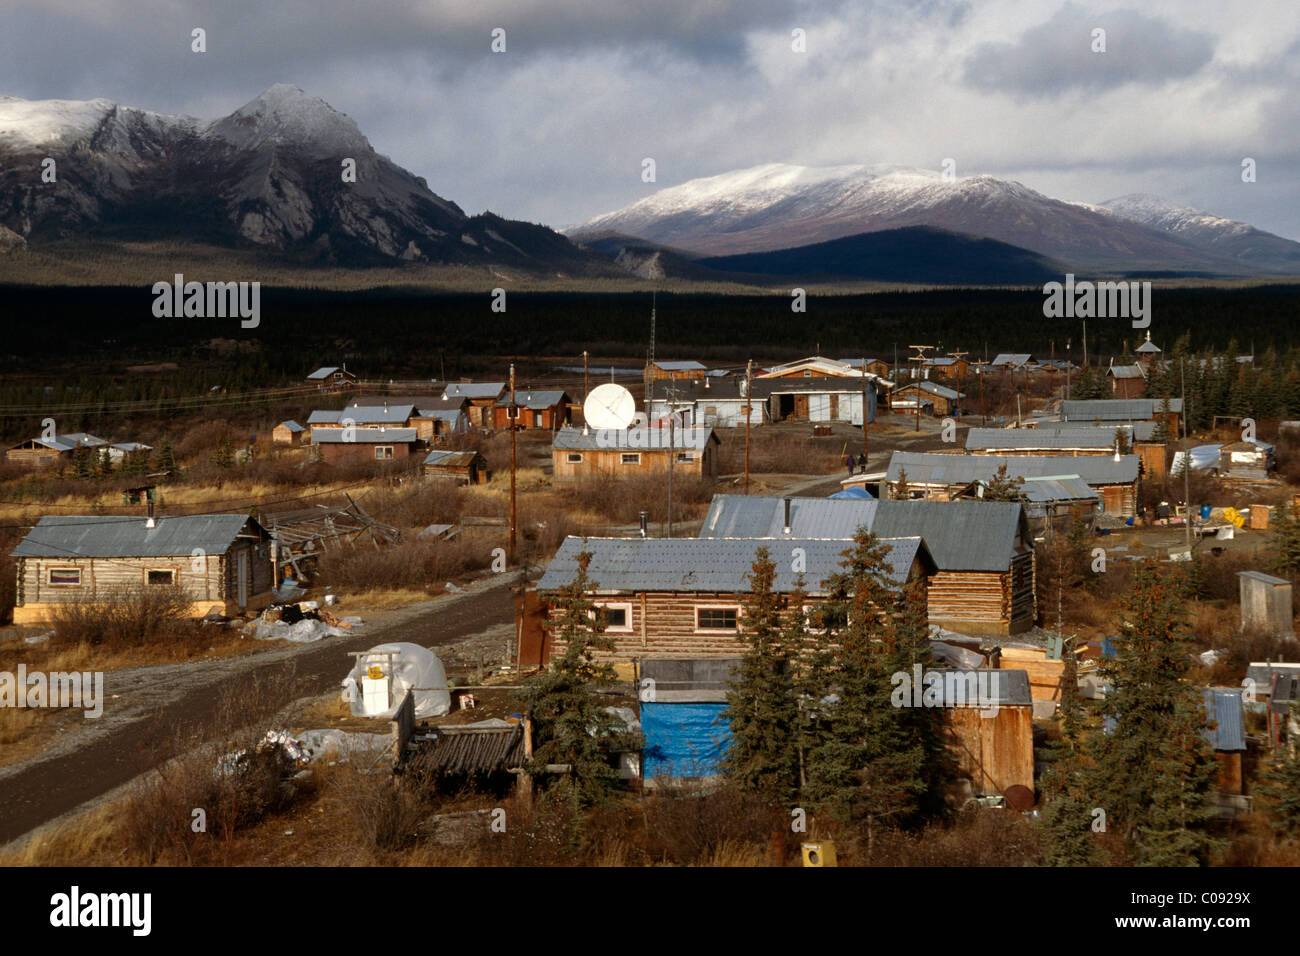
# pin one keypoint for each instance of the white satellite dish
(609, 406)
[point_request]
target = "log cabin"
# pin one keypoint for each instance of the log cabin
(983, 550)
(534, 408)
(332, 378)
(478, 400)
(941, 399)
(683, 597)
(461, 467)
(675, 370)
(590, 452)
(220, 561)
(354, 446)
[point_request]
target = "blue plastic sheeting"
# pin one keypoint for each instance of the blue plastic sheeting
(684, 740)
(855, 491)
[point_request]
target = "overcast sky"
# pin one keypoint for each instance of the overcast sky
(554, 129)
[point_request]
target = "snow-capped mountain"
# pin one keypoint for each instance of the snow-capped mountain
(778, 206)
(1224, 236)
(270, 174)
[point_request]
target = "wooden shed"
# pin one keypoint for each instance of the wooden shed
(288, 433)
(993, 745)
(461, 467)
(221, 561)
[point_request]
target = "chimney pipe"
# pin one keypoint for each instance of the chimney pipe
(645, 517)
(787, 514)
(149, 522)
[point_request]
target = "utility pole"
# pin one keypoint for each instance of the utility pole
(510, 421)
(749, 404)
(1067, 370)
(672, 456)
(919, 357)
(959, 356)
(983, 420)
(1187, 456)
(865, 450)
(585, 379)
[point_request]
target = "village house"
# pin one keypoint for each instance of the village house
(1009, 362)
(1111, 412)
(724, 403)
(534, 408)
(713, 403)
(462, 467)
(332, 378)
(683, 597)
(983, 550)
(1247, 461)
(39, 452)
(354, 446)
(439, 424)
(288, 433)
(877, 367)
(673, 370)
(360, 417)
(1044, 441)
(478, 400)
(691, 451)
(940, 477)
(950, 368)
(1127, 381)
(817, 366)
(922, 397)
(220, 561)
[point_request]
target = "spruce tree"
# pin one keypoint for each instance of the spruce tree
(570, 723)
(1153, 770)
(761, 705)
(1280, 789)
(1004, 488)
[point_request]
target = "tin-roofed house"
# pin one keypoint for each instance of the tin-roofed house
(288, 432)
(361, 415)
(478, 400)
(534, 408)
(691, 452)
(983, 551)
(220, 561)
(683, 597)
(331, 377)
(670, 369)
(355, 446)
(923, 397)
(433, 424)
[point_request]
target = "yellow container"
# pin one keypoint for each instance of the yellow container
(819, 854)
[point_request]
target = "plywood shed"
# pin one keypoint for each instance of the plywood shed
(1265, 603)
(1044, 674)
(287, 433)
(1246, 461)
(462, 467)
(1225, 730)
(994, 750)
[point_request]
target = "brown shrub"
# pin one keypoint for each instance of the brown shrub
(684, 827)
(410, 563)
(976, 838)
(123, 616)
(622, 499)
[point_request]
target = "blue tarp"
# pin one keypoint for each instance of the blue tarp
(856, 491)
(683, 739)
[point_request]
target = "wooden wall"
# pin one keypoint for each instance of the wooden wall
(984, 602)
(995, 752)
(608, 461)
(353, 453)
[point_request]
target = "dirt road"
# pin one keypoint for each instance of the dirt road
(151, 711)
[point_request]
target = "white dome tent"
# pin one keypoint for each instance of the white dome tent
(383, 675)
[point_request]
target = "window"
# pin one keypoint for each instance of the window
(716, 618)
(631, 458)
(685, 456)
(338, 376)
(618, 617)
(574, 458)
(807, 373)
(64, 577)
(160, 576)
(383, 451)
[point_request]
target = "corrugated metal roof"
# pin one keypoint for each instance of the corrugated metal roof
(1047, 490)
(1010, 358)
(1102, 439)
(942, 391)
(1116, 409)
(474, 389)
(1261, 672)
(1263, 578)
(324, 372)
(703, 564)
(127, 536)
(1126, 371)
(1137, 431)
(293, 426)
(929, 468)
(1223, 706)
(960, 535)
(633, 439)
(363, 436)
(444, 458)
(983, 687)
(539, 398)
(682, 366)
(363, 415)
(441, 414)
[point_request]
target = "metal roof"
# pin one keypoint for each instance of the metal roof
(1084, 438)
(709, 565)
(1117, 409)
(683, 366)
(363, 415)
(441, 414)
(324, 371)
(1261, 672)
(293, 426)
(444, 458)
(934, 389)
(538, 399)
(128, 536)
(930, 468)
(1263, 578)
(1148, 346)
(474, 390)
(1010, 358)
(1137, 431)
(1126, 371)
(1001, 686)
(1223, 706)
(960, 535)
(363, 436)
(70, 441)
(633, 439)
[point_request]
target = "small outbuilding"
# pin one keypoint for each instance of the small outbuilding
(287, 433)
(462, 467)
(1266, 603)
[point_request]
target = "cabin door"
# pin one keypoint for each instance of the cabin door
(241, 579)
(801, 406)
(1112, 500)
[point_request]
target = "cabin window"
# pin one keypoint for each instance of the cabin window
(338, 376)
(716, 618)
(573, 458)
(685, 456)
(618, 617)
(383, 451)
(631, 458)
(165, 576)
(63, 577)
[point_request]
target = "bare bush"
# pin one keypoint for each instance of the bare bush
(123, 616)
(409, 563)
(684, 827)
